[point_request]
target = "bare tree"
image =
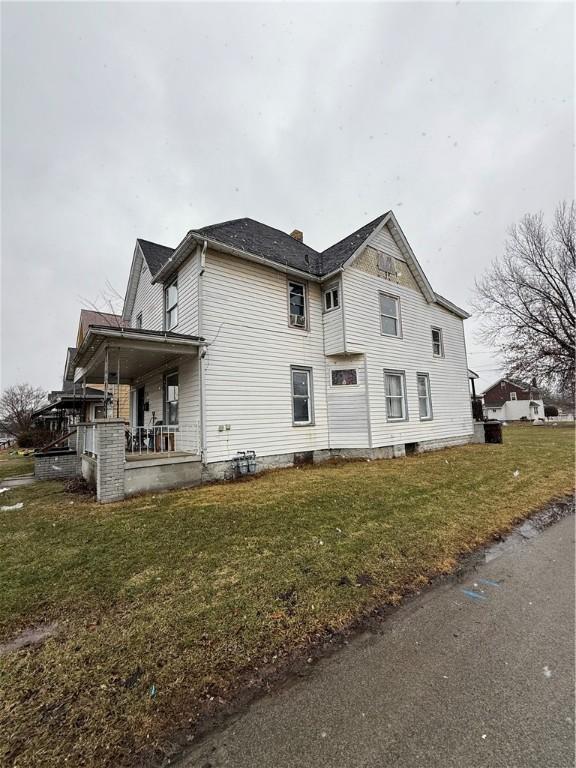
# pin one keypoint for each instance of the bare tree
(527, 300)
(17, 404)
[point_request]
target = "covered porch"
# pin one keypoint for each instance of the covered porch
(162, 370)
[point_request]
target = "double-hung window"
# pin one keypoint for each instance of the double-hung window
(297, 305)
(437, 342)
(331, 298)
(171, 398)
(390, 315)
(513, 396)
(139, 320)
(302, 407)
(171, 303)
(424, 398)
(395, 391)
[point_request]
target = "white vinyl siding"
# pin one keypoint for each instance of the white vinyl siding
(348, 407)
(248, 361)
(148, 302)
(411, 353)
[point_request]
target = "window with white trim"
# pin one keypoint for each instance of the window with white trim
(171, 303)
(513, 396)
(437, 342)
(331, 298)
(344, 377)
(390, 315)
(395, 391)
(171, 398)
(302, 408)
(297, 304)
(424, 397)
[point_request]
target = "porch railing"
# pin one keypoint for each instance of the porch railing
(163, 438)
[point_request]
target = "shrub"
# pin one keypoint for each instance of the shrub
(550, 411)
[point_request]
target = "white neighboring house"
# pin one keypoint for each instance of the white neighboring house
(243, 338)
(508, 400)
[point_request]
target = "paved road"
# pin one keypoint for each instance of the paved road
(452, 680)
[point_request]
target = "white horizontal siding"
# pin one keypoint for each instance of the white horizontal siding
(384, 241)
(188, 296)
(347, 407)
(333, 331)
(412, 353)
(251, 349)
(149, 301)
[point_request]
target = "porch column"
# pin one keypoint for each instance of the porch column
(110, 451)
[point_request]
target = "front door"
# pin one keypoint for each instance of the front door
(140, 407)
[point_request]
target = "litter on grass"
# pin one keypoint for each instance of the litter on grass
(10, 507)
(3, 490)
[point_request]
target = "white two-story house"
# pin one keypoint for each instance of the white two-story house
(243, 338)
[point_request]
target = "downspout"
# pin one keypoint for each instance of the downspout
(202, 355)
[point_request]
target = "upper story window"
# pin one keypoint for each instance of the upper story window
(139, 320)
(424, 398)
(390, 315)
(297, 301)
(331, 297)
(171, 302)
(502, 385)
(386, 264)
(302, 409)
(437, 342)
(344, 377)
(513, 396)
(395, 391)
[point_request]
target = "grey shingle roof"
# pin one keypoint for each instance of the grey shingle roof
(267, 242)
(156, 255)
(335, 256)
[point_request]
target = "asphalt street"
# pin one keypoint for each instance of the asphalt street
(477, 674)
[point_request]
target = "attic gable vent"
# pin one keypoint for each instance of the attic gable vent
(386, 263)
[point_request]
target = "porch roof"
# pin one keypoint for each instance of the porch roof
(132, 352)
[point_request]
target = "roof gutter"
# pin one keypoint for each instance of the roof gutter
(193, 238)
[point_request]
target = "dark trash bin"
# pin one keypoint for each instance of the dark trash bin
(493, 431)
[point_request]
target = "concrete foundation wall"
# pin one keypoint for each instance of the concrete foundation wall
(161, 474)
(54, 467)
(89, 470)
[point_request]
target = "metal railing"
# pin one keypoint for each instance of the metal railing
(163, 438)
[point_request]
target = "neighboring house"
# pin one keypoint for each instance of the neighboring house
(119, 394)
(66, 406)
(243, 338)
(508, 400)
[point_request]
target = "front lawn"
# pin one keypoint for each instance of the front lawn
(12, 465)
(162, 601)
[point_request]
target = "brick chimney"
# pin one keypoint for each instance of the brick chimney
(297, 235)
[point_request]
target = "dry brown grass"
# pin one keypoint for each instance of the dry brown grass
(163, 601)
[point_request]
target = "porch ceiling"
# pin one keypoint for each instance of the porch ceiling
(132, 352)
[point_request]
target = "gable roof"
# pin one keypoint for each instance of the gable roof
(155, 255)
(262, 242)
(335, 256)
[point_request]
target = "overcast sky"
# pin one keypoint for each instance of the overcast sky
(146, 120)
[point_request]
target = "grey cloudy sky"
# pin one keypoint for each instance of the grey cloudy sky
(146, 120)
